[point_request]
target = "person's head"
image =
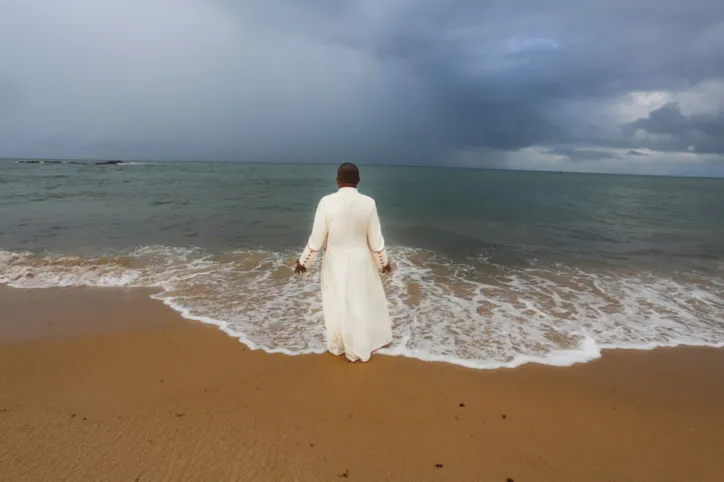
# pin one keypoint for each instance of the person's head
(347, 175)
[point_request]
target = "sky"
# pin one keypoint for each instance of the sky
(620, 86)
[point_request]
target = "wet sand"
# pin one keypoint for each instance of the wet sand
(106, 384)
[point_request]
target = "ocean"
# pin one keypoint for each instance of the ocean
(492, 268)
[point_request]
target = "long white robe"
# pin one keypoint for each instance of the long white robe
(347, 227)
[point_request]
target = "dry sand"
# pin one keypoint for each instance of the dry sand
(106, 384)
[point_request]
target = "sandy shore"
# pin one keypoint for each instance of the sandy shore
(106, 384)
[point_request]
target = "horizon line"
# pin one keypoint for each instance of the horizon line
(319, 163)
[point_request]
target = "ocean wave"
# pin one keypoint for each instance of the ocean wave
(476, 314)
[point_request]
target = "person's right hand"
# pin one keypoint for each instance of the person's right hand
(387, 269)
(299, 268)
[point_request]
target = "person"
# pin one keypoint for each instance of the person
(347, 227)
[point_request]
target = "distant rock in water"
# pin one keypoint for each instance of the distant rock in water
(106, 163)
(33, 161)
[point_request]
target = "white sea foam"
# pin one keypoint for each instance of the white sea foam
(473, 314)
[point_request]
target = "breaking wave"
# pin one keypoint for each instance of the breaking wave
(475, 314)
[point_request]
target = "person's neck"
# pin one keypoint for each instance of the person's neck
(353, 186)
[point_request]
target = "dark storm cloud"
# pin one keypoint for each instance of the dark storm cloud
(576, 155)
(502, 69)
(418, 81)
(703, 133)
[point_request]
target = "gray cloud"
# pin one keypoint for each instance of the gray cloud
(703, 133)
(575, 155)
(396, 81)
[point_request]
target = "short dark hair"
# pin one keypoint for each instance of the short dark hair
(348, 173)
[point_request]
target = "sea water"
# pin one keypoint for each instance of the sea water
(492, 268)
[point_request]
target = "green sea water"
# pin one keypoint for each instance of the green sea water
(494, 268)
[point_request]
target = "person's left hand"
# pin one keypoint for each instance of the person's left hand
(299, 268)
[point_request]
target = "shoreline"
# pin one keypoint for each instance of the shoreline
(589, 351)
(126, 389)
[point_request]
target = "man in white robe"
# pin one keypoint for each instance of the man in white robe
(347, 228)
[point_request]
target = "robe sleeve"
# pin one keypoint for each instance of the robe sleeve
(318, 237)
(375, 240)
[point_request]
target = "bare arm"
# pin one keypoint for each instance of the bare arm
(376, 242)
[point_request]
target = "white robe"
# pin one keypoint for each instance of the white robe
(355, 308)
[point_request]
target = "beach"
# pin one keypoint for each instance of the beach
(501, 269)
(108, 384)
(211, 213)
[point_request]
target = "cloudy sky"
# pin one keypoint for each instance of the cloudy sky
(596, 85)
